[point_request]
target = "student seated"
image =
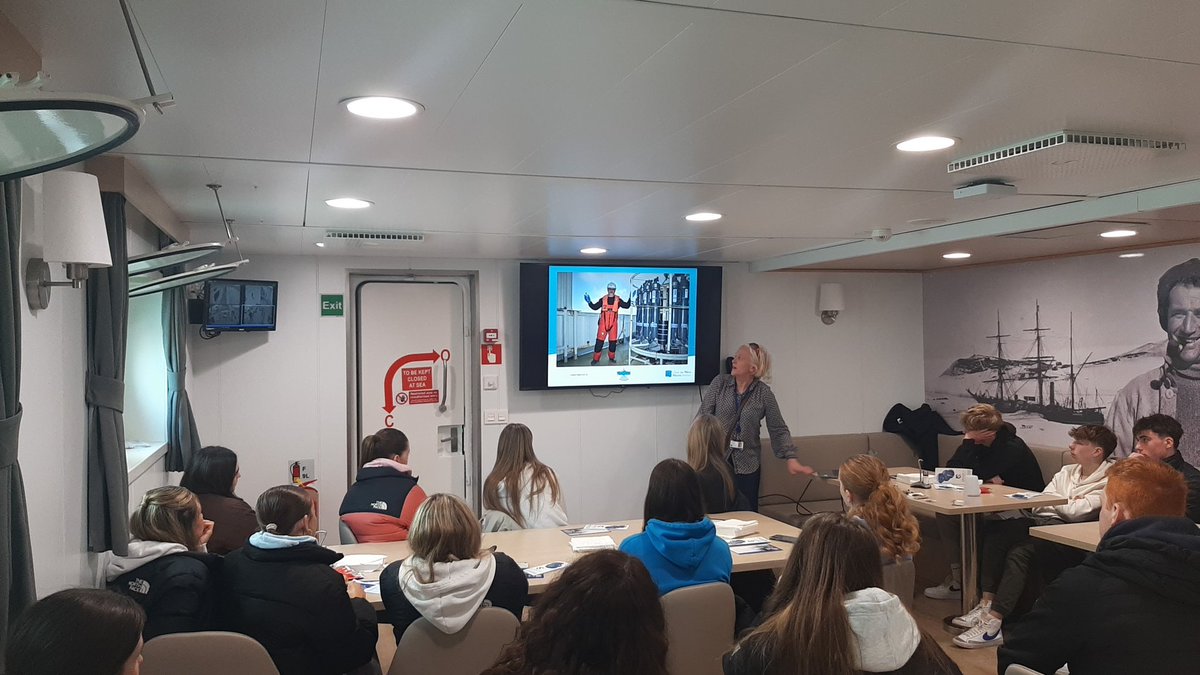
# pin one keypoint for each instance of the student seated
(992, 451)
(1157, 437)
(1133, 606)
(602, 615)
(448, 578)
(79, 631)
(828, 614)
(868, 493)
(213, 475)
(1008, 552)
(280, 590)
(707, 447)
(679, 544)
(385, 496)
(521, 492)
(167, 569)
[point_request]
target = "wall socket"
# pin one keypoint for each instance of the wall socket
(495, 416)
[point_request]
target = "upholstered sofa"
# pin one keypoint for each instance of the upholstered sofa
(791, 498)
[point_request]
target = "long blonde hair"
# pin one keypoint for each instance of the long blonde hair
(169, 514)
(881, 505)
(514, 452)
(444, 530)
(706, 444)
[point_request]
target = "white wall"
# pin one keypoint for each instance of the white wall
(278, 396)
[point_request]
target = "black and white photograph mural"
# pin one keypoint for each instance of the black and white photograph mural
(1054, 344)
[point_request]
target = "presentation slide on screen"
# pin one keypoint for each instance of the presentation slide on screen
(614, 326)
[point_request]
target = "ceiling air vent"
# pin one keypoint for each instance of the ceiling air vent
(1063, 153)
(350, 236)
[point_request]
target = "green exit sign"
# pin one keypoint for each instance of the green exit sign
(331, 305)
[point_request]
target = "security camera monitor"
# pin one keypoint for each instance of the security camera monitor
(618, 325)
(240, 305)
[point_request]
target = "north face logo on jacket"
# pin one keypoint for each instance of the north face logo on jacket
(379, 505)
(140, 586)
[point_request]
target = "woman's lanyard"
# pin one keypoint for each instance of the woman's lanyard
(738, 399)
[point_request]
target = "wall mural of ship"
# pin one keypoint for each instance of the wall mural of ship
(1013, 375)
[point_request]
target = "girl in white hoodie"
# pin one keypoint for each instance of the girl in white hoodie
(448, 577)
(828, 614)
(521, 492)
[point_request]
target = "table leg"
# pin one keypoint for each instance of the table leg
(970, 562)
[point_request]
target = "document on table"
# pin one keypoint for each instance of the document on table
(749, 545)
(588, 530)
(584, 544)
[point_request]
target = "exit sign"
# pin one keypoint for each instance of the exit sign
(331, 305)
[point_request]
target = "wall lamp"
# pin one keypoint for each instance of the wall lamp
(830, 301)
(73, 233)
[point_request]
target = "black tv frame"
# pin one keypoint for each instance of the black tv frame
(239, 328)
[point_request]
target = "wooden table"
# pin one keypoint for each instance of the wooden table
(942, 502)
(538, 547)
(1084, 536)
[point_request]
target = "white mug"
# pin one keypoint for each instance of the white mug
(971, 485)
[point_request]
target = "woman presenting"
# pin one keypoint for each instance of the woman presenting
(741, 400)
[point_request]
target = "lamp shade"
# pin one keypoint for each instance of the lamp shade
(73, 229)
(41, 131)
(830, 298)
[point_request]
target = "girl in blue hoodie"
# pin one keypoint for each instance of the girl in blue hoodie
(679, 545)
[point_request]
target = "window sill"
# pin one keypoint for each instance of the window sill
(140, 456)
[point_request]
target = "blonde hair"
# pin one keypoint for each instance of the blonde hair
(881, 505)
(444, 530)
(706, 444)
(981, 417)
(760, 358)
(167, 514)
(514, 452)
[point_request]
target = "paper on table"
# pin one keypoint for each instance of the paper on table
(593, 529)
(601, 543)
(732, 528)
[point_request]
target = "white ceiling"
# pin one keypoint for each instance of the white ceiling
(554, 124)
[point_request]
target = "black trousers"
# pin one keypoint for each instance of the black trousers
(1005, 558)
(747, 484)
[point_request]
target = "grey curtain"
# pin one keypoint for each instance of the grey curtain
(182, 437)
(16, 556)
(104, 390)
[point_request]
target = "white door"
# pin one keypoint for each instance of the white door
(412, 366)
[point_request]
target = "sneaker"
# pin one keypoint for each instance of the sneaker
(985, 634)
(947, 590)
(973, 617)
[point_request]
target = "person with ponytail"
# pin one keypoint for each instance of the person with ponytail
(521, 492)
(706, 451)
(167, 568)
(829, 616)
(281, 590)
(381, 504)
(869, 494)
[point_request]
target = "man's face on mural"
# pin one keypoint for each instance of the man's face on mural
(1183, 326)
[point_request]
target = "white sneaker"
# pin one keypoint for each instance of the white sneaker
(985, 634)
(947, 590)
(973, 617)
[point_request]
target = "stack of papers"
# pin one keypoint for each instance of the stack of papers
(733, 528)
(908, 478)
(750, 545)
(585, 544)
(593, 529)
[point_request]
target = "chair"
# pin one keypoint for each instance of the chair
(699, 628)
(206, 652)
(900, 579)
(345, 533)
(1018, 669)
(425, 649)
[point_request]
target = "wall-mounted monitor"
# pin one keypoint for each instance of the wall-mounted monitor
(618, 325)
(240, 305)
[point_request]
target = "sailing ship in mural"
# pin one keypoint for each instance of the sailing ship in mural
(1012, 376)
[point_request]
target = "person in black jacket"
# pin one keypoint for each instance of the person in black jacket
(280, 590)
(1133, 606)
(1157, 437)
(992, 451)
(448, 577)
(167, 568)
(384, 498)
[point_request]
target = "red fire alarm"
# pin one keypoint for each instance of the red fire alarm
(491, 335)
(490, 355)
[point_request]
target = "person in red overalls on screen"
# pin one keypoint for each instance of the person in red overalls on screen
(609, 305)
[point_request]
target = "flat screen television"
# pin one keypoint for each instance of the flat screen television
(618, 325)
(240, 305)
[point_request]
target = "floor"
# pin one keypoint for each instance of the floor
(585, 358)
(929, 615)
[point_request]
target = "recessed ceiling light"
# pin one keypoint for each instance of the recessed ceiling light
(956, 255)
(348, 203)
(1131, 255)
(382, 107)
(593, 250)
(702, 217)
(320, 244)
(1116, 234)
(925, 144)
